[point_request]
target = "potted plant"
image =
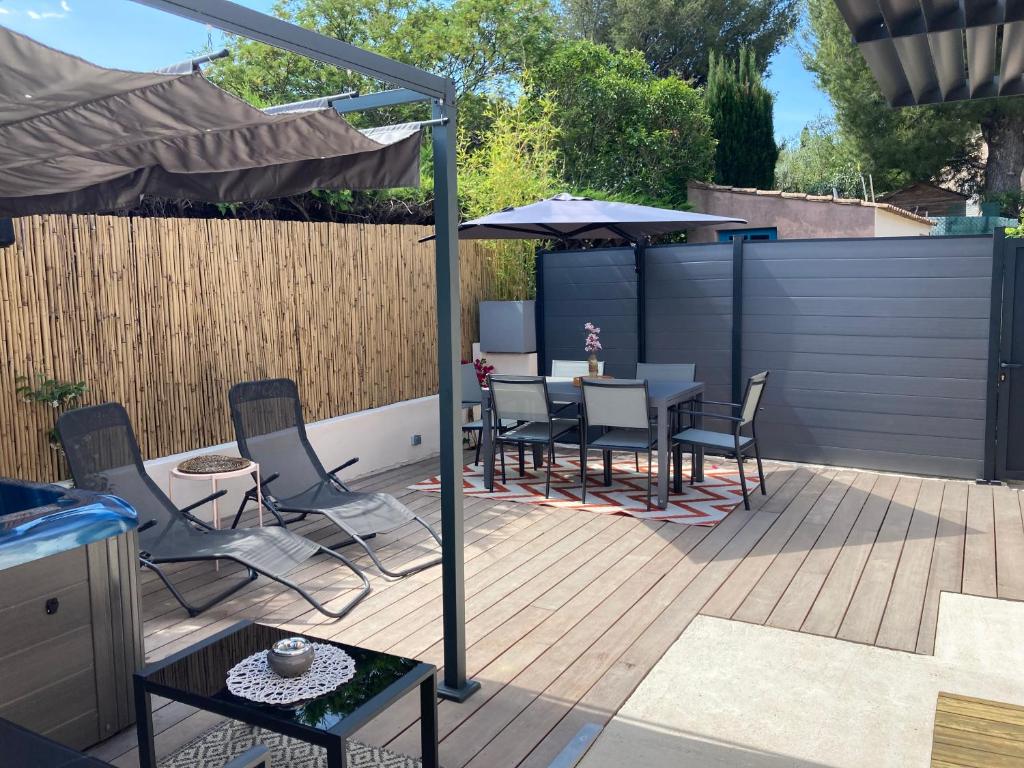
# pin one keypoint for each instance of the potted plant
(593, 346)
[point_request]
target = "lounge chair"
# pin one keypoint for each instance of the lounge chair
(271, 431)
(104, 456)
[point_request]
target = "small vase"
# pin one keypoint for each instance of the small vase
(593, 365)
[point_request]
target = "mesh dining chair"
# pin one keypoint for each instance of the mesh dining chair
(270, 429)
(733, 444)
(525, 399)
(622, 409)
(104, 456)
(473, 396)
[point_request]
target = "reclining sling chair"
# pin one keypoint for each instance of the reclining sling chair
(271, 431)
(104, 456)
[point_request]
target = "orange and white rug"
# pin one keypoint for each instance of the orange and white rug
(705, 503)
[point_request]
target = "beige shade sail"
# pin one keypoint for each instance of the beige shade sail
(78, 138)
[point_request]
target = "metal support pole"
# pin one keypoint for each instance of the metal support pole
(737, 318)
(454, 686)
(640, 250)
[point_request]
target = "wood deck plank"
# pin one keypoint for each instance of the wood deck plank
(864, 615)
(902, 618)
(980, 543)
(567, 611)
(799, 597)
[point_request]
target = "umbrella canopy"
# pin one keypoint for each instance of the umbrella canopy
(75, 137)
(566, 217)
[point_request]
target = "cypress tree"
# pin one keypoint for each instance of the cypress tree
(741, 115)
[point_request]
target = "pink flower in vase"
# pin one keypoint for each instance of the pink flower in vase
(593, 342)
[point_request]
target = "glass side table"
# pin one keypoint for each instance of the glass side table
(197, 676)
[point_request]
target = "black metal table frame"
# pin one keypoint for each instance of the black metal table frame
(563, 392)
(423, 676)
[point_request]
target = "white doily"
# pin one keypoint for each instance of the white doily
(253, 679)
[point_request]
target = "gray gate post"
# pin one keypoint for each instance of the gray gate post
(737, 318)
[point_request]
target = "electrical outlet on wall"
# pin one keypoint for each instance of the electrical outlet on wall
(416, 440)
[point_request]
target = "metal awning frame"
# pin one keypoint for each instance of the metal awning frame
(412, 85)
(935, 51)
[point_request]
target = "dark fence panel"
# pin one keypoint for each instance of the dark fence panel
(689, 311)
(878, 350)
(597, 285)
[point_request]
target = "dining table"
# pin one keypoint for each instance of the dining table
(663, 396)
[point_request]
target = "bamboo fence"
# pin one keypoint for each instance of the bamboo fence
(164, 315)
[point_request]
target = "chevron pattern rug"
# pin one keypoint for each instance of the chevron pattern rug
(705, 503)
(229, 739)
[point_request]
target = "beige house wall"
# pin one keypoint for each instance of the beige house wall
(795, 218)
(889, 224)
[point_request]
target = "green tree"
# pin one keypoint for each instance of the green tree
(942, 142)
(819, 162)
(622, 129)
(483, 45)
(516, 162)
(741, 115)
(678, 36)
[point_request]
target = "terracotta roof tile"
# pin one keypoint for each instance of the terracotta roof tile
(814, 199)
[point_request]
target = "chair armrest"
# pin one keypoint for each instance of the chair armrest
(205, 500)
(346, 465)
(145, 526)
(722, 402)
(713, 415)
(264, 482)
(333, 474)
(257, 757)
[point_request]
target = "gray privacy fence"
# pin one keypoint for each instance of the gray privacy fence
(878, 348)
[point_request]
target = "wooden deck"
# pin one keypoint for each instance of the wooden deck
(567, 611)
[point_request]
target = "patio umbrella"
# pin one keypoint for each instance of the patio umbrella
(78, 138)
(568, 217)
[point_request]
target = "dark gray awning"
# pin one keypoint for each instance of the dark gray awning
(75, 137)
(931, 51)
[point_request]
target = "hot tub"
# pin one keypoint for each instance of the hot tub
(70, 611)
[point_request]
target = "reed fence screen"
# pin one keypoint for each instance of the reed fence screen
(164, 315)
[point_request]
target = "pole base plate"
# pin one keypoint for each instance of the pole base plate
(460, 694)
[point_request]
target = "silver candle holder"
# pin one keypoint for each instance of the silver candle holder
(291, 657)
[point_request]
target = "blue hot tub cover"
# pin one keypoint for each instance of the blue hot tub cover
(38, 520)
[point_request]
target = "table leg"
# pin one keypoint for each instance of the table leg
(144, 725)
(663, 455)
(488, 444)
(216, 518)
(336, 754)
(428, 722)
(698, 451)
(607, 458)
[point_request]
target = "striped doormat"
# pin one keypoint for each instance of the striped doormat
(705, 503)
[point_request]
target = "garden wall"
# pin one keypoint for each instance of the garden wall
(164, 315)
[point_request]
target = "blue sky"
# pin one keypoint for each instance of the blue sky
(118, 33)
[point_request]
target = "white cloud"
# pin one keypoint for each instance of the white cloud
(39, 16)
(64, 5)
(4, 11)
